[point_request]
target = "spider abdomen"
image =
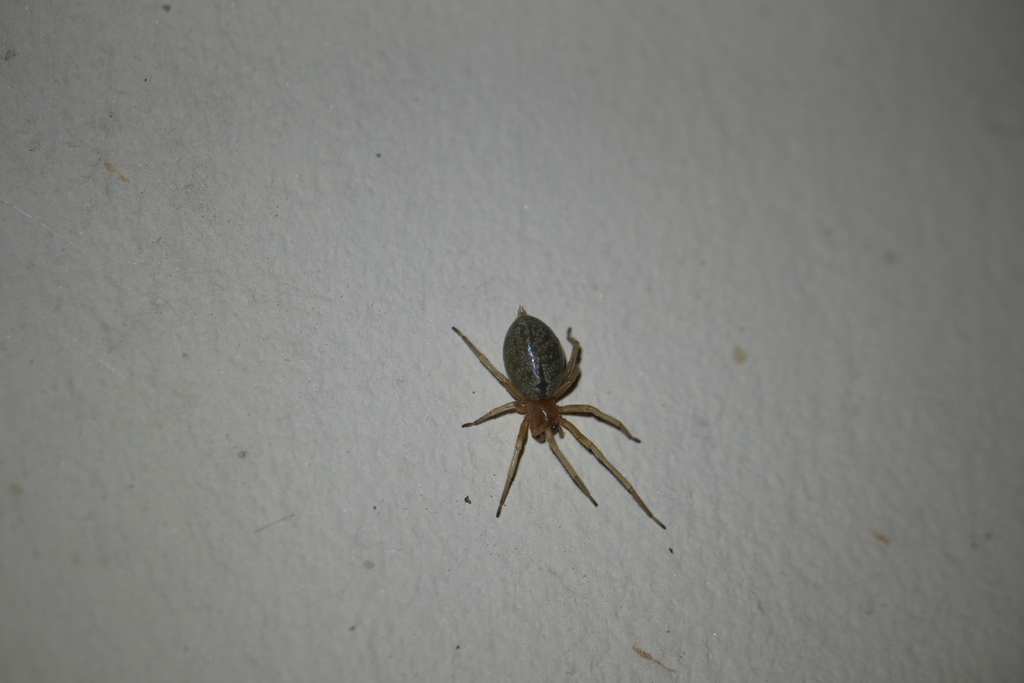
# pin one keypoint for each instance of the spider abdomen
(534, 359)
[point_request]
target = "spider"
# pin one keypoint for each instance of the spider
(537, 377)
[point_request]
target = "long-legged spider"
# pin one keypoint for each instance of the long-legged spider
(537, 377)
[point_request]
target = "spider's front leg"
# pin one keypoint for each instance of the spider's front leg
(520, 446)
(582, 409)
(589, 445)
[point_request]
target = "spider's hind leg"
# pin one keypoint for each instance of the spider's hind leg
(490, 367)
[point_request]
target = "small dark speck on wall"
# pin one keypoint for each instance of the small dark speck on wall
(739, 355)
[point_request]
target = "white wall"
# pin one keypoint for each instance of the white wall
(234, 238)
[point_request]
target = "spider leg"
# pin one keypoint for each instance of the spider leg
(569, 379)
(568, 468)
(594, 412)
(520, 445)
(500, 410)
(574, 356)
(589, 445)
(572, 369)
(490, 366)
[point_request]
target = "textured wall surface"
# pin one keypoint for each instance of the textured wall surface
(234, 238)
